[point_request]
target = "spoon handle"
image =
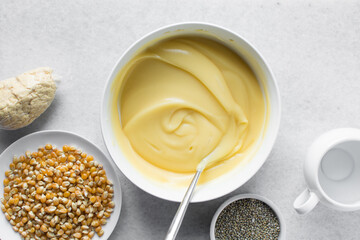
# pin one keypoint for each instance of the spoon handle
(176, 222)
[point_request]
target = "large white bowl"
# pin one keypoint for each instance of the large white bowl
(229, 181)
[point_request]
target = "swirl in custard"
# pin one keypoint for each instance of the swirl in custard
(189, 98)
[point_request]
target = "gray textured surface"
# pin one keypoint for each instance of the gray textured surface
(312, 47)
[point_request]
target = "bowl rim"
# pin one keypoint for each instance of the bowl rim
(275, 126)
(252, 196)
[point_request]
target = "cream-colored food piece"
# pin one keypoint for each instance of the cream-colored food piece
(187, 99)
(25, 97)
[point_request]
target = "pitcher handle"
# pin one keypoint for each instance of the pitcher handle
(305, 202)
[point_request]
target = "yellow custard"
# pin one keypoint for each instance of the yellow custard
(184, 99)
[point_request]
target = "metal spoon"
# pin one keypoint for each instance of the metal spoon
(176, 222)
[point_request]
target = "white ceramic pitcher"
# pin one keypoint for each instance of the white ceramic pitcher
(332, 172)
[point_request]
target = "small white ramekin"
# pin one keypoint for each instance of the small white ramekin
(229, 181)
(253, 196)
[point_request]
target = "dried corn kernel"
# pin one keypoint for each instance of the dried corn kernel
(39, 177)
(48, 147)
(71, 158)
(84, 176)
